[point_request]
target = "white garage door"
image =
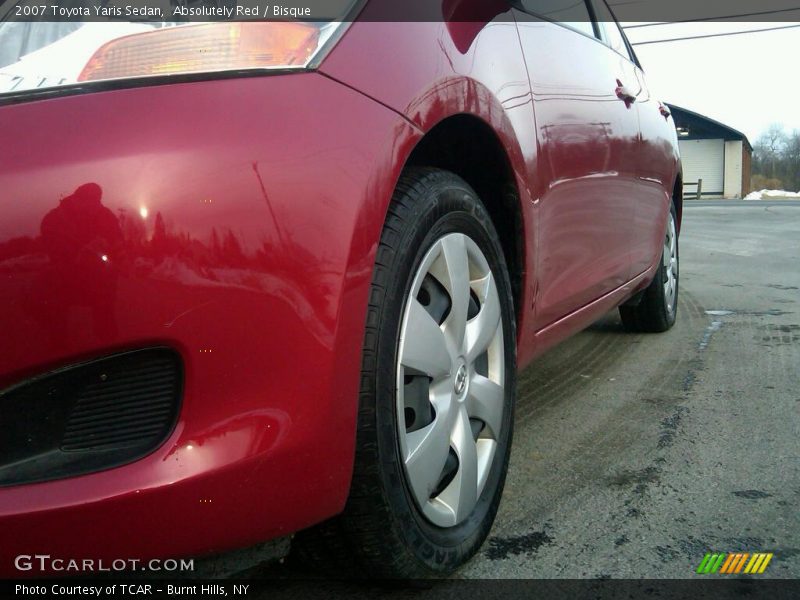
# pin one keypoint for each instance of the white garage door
(704, 159)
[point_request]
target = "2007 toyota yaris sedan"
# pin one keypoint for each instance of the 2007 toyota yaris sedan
(270, 276)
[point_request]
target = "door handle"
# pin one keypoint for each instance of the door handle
(624, 94)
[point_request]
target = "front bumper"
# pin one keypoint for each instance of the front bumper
(246, 213)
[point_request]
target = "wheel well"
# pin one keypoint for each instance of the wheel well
(468, 147)
(677, 199)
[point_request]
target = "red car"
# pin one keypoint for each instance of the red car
(264, 277)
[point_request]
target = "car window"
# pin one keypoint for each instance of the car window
(572, 13)
(610, 28)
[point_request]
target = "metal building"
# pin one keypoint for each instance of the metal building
(716, 158)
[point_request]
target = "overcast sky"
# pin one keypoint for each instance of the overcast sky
(745, 81)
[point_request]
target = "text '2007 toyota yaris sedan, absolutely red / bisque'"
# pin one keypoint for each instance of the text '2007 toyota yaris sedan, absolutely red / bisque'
(265, 277)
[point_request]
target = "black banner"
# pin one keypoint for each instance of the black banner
(383, 10)
(692, 589)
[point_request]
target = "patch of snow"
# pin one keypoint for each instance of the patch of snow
(772, 195)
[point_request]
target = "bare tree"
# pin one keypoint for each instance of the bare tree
(776, 158)
(769, 148)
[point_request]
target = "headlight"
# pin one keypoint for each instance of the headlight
(69, 53)
(209, 48)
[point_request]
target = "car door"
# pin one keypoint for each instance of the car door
(587, 129)
(656, 159)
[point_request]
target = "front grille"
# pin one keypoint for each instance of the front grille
(89, 417)
(125, 408)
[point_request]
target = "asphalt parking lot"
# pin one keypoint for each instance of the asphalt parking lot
(634, 455)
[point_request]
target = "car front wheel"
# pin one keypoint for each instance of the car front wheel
(437, 389)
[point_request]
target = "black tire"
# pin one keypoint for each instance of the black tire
(382, 532)
(654, 313)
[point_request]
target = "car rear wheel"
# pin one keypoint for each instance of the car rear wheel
(437, 390)
(658, 306)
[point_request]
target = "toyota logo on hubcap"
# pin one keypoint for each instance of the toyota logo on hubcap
(460, 383)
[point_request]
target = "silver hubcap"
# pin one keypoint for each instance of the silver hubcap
(450, 379)
(670, 258)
